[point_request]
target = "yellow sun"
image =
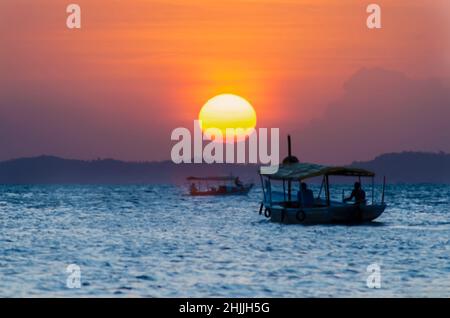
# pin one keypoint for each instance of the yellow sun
(228, 111)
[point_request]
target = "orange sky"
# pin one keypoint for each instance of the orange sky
(139, 68)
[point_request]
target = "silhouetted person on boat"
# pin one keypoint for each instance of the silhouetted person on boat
(358, 194)
(305, 196)
(193, 188)
(238, 183)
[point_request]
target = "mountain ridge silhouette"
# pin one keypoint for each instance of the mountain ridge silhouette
(404, 167)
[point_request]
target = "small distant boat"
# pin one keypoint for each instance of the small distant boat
(209, 186)
(283, 208)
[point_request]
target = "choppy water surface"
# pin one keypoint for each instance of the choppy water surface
(152, 241)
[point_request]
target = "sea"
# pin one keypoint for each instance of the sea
(156, 241)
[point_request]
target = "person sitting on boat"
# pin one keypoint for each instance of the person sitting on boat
(358, 194)
(238, 183)
(193, 188)
(305, 196)
(222, 189)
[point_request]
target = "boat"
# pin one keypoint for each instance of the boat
(217, 186)
(283, 208)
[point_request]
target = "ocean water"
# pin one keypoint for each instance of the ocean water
(154, 241)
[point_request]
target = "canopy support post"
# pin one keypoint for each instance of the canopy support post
(289, 156)
(327, 180)
(373, 190)
(263, 187)
(321, 187)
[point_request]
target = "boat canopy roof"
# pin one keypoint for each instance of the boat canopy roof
(227, 178)
(301, 171)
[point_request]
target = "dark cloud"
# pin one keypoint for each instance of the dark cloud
(380, 111)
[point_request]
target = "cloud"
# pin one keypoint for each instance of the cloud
(380, 111)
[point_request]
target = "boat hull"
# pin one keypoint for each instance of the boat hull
(235, 191)
(346, 214)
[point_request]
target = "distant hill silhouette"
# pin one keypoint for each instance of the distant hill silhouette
(407, 167)
(54, 170)
(411, 167)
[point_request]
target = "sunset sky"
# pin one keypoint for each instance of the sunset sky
(137, 69)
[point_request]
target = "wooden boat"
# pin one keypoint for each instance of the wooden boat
(213, 186)
(287, 209)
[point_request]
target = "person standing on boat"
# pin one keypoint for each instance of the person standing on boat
(305, 196)
(238, 182)
(358, 194)
(193, 188)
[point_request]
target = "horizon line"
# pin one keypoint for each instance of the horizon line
(169, 160)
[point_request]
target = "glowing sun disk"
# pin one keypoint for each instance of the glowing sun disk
(228, 111)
